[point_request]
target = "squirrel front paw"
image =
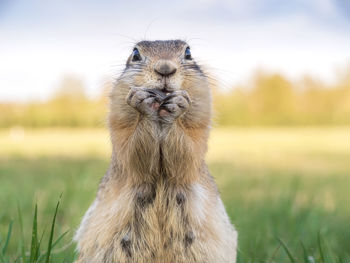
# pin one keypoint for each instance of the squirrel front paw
(143, 101)
(174, 106)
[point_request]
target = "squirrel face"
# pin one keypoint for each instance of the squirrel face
(163, 65)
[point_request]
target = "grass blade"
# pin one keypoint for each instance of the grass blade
(54, 244)
(274, 253)
(319, 241)
(9, 232)
(39, 244)
(22, 242)
(59, 239)
(306, 259)
(287, 250)
(34, 245)
(49, 247)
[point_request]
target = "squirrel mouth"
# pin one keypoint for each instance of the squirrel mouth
(160, 95)
(167, 92)
(166, 89)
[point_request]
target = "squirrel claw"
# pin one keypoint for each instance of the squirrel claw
(143, 101)
(174, 105)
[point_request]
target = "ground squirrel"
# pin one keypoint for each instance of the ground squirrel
(158, 202)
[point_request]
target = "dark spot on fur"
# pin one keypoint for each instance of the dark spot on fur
(167, 202)
(189, 238)
(145, 196)
(153, 255)
(169, 240)
(126, 243)
(144, 200)
(180, 199)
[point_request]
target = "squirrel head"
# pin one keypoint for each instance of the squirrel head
(166, 65)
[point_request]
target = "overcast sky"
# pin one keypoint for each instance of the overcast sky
(41, 41)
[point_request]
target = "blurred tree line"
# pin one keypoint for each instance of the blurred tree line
(272, 99)
(267, 99)
(69, 106)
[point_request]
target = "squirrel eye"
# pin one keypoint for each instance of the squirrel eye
(188, 53)
(136, 55)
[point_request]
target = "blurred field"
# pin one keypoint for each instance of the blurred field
(291, 183)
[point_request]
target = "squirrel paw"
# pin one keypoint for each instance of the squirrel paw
(174, 105)
(143, 101)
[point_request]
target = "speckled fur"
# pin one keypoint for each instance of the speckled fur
(158, 202)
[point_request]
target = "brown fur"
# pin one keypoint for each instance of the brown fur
(157, 202)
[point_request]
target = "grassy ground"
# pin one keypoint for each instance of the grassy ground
(286, 183)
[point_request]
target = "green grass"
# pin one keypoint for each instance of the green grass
(35, 253)
(284, 211)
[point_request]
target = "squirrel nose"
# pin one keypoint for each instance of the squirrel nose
(165, 68)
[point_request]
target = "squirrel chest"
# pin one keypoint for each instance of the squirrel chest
(153, 223)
